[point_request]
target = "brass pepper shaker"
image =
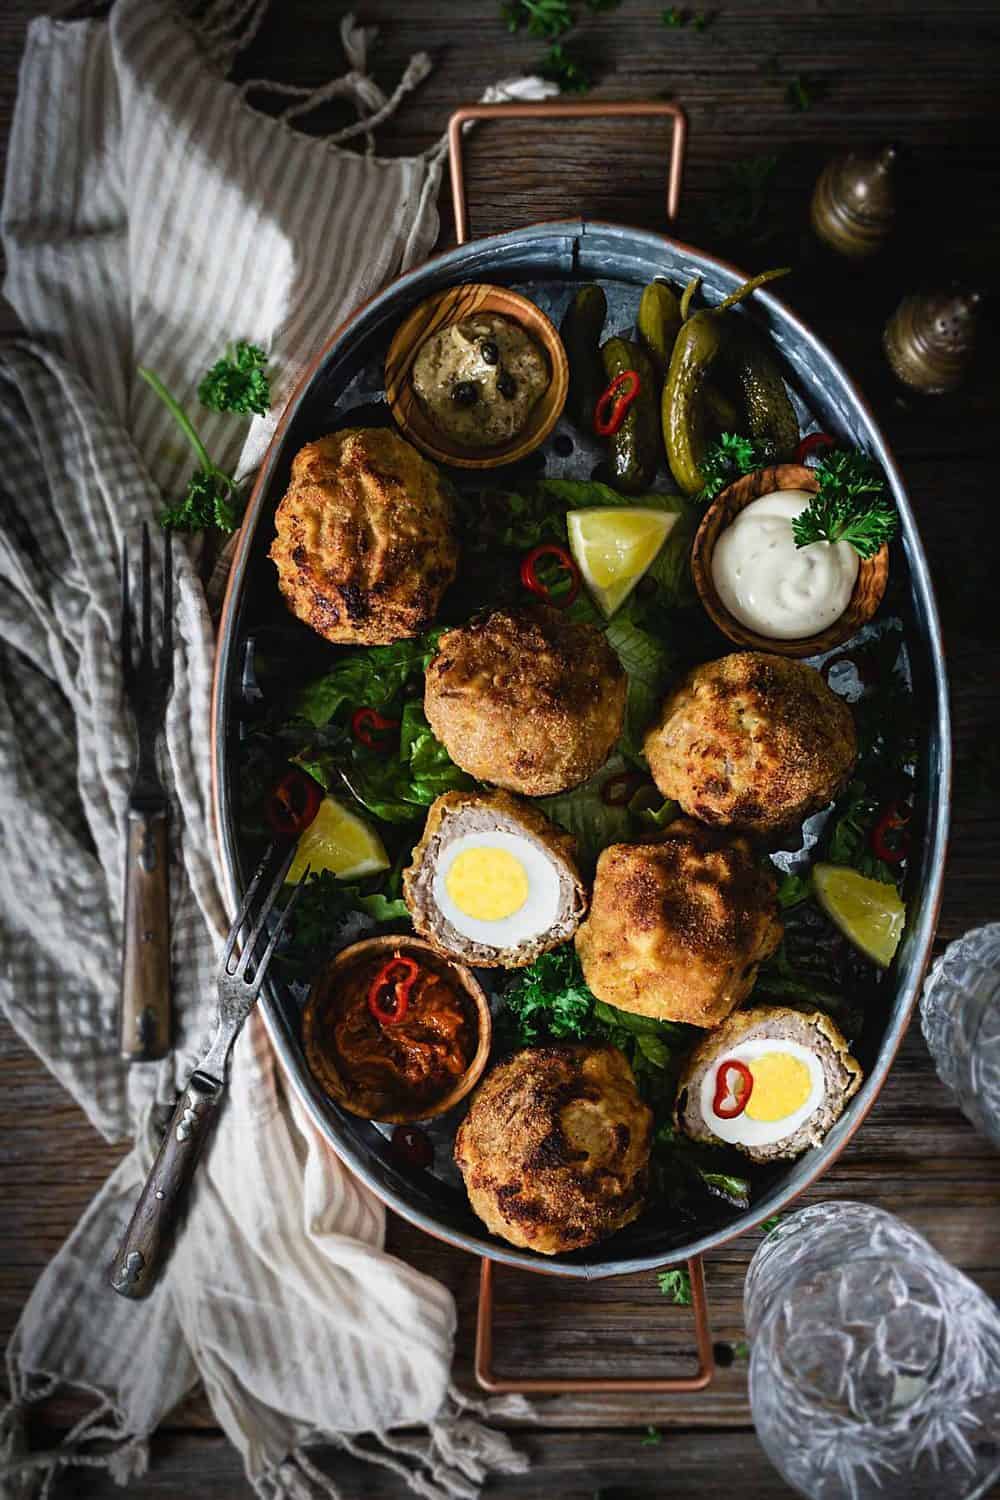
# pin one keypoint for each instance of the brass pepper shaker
(929, 340)
(853, 202)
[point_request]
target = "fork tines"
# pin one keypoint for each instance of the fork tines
(140, 671)
(266, 870)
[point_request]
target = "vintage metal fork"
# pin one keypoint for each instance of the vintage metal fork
(144, 1016)
(146, 1244)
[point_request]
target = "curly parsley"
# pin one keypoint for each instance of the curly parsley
(569, 72)
(852, 505)
(730, 458)
(675, 1283)
(208, 499)
(547, 18)
(238, 382)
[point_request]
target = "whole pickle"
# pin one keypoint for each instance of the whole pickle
(582, 326)
(684, 411)
(685, 414)
(657, 323)
(724, 414)
(634, 450)
(753, 361)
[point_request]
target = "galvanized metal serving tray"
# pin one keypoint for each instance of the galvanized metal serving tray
(547, 262)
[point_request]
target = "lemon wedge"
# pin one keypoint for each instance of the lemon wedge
(614, 547)
(339, 841)
(868, 912)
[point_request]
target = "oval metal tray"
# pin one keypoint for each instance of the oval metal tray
(546, 262)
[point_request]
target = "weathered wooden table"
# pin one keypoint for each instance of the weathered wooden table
(923, 75)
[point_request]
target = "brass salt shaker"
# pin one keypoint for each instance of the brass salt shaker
(853, 202)
(929, 339)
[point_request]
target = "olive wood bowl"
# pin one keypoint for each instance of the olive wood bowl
(323, 997)
(453, 305)
(869, 585)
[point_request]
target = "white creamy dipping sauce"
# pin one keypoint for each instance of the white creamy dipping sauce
(770, 585)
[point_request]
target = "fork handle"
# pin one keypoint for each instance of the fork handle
(147, 1239)
(145, 994)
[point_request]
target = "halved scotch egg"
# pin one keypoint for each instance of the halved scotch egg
(770, 1081)
(493, 882)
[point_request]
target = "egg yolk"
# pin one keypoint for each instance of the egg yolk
(781, 1085)
(487, 884)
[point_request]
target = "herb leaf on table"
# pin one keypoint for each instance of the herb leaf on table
(566, 69)
(675, 1283)
(545, 18)
(741, 209)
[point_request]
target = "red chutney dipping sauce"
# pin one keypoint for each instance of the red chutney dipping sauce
(398, 1032)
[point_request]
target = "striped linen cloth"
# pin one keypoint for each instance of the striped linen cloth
(150, 214)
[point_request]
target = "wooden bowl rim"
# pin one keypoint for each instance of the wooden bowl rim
(401, 942)
(735, 498)
(542, 329)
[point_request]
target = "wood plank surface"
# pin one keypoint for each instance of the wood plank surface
(924, 75)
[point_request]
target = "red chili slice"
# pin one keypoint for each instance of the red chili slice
(893, 818)
(537, 586)
(814, 443)
(733, 1087)
(293, 804)
(389, 991)
(609, 413)
(372, 730)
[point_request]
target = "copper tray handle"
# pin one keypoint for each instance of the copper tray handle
(531, 1385)
(627, 109)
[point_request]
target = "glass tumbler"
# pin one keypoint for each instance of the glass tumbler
(960, 1016)
(875, 1365)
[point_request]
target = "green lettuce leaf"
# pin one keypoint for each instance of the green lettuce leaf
(650, 664)
(582, 813)
(370, 677)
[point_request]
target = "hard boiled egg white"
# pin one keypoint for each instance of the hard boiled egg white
(788, 1086)
(497, 888)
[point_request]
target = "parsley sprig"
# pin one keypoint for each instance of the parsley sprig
(208, 499)
(852, 505)
(547, 18)
(675, 1283)
(568, 71)
(730, 458)
(238, 382)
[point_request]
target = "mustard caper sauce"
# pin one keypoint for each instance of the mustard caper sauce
(478, 380)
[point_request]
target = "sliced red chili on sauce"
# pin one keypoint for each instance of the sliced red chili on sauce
(293, 804)
(892, 821)
(389, 992)
(372, 730)
(816, 442)
(613, 404)
(412, 1147)
(733, 1087)
(561, 597)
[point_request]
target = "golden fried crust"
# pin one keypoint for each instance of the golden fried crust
(555, 1148)
(454, 814)
(528, 701)
(365, 543)
(755, 741)
(678, 928)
